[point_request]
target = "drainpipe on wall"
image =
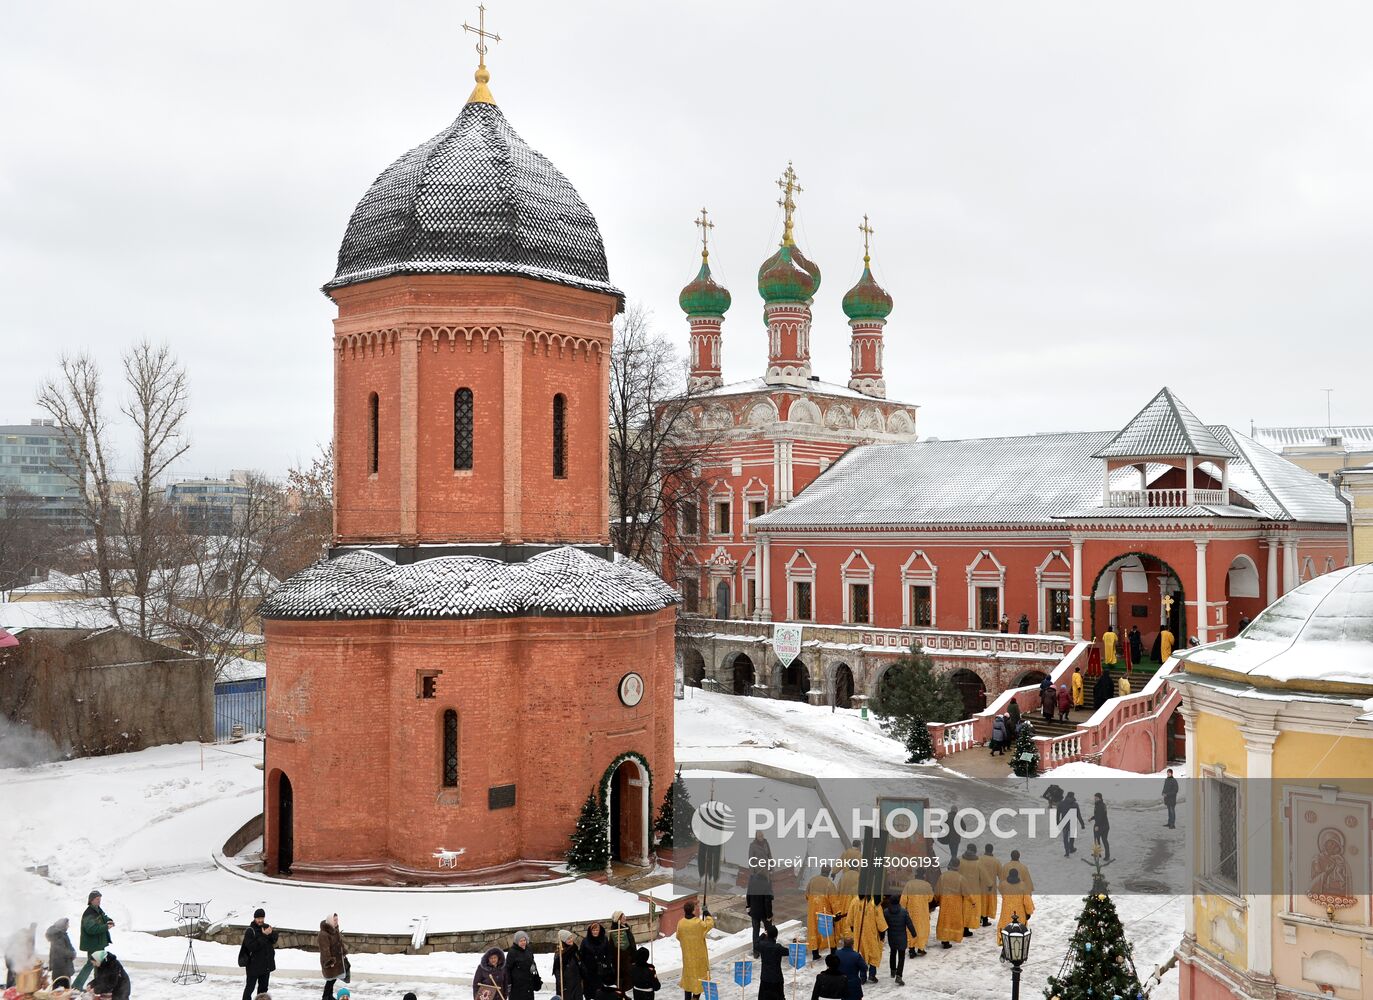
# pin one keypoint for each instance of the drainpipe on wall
(1337, 481)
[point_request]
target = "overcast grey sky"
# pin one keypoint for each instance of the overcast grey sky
(1075, 202)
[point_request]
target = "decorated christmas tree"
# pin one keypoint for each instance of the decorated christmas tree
(1098, 965)
(673, 825)
(590, 851)
(1026, 766)
(919, 746)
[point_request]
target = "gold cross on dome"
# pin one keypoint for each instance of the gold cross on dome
(706, 225)
(787, 182)
(867, 231)
(481, 33)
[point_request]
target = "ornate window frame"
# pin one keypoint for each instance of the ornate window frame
(858, 569)
(978, 578)
(912, 575)
(800, 569)
(1047, 579)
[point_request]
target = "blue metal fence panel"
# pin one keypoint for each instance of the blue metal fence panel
(240, 703)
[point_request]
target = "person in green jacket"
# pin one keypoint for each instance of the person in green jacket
(95, 935)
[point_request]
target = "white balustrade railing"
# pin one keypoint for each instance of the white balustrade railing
(958, 736)
(1176, 497)
(1055, 750)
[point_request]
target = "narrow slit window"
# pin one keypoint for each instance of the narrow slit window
(373, 433)
(462, 429)
(560, 436)
(450, 749)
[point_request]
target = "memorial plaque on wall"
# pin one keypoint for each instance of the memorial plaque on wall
(1139, 611)
(500, 797)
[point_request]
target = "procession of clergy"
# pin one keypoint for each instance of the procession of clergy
(965, 896)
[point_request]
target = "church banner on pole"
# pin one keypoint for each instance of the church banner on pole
(786, 642)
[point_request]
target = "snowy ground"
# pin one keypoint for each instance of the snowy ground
(145, 826)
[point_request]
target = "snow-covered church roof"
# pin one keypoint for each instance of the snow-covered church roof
(474, 199)
(562, 581)
(1033, 479)
(1321, 631)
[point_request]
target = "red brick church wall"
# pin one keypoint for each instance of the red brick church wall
(538, 707)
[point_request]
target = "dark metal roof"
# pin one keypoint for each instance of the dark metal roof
(475, 199)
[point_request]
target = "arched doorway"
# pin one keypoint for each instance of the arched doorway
(972, 689)
(627, 796)
(742, 675)
(1031, 677)
(722, 599)
(1243, 597)
(885, 683)
(795, 682)
(1147, 593)
(286, 819)
(693, 668)
(1177, 738)
(843, 686)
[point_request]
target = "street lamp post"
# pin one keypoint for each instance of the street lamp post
(1015, 948)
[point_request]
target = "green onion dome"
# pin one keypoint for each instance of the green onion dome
(787, 276)
(703, 297)
(867, 300)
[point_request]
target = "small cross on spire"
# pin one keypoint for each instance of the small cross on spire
(867, 232)
(480, 93)
(787, 182)
(706, 226)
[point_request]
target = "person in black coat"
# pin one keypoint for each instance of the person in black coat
(1013, 710)
(110, 979)
(1136, 645)
(257, 954)
(567, 968)
(831, 984)
(854, 968)
(644, 976)
(1103, 690)
(899, 925)
(491, 972)
(598, 965)
(1101, 825)
(758, 902)
(771, 984)
(1067, 806)
(520, 970)
(1170, 800)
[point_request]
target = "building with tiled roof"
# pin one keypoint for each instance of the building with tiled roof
(821, 507)
(1325, 450)
(472, 639)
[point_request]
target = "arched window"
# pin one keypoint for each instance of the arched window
(560, 436)
(462, 429)
(450, 748)
(373, 433)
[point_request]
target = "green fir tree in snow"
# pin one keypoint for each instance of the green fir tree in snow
(673, 824)
(1099, 964)
(919, 746)
(911, 694)
(590, 851)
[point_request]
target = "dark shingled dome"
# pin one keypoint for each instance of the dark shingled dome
(475, 199)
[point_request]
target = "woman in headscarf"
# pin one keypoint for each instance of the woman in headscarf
(491, 975)
(598, 968)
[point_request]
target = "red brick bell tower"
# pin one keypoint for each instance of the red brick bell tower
(472, 660)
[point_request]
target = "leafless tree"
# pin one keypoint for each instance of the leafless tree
(310, 507)
(75, 400)
(207, 589)
(656, 445)
(125, 536)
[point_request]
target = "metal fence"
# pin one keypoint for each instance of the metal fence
(240, 707)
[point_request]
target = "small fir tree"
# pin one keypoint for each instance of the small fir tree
(1099, 964)
(673, 825)
(919, 746)
(590, 851)
(1025, 767)
(912, 693)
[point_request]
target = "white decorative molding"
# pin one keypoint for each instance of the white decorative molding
(919, 571)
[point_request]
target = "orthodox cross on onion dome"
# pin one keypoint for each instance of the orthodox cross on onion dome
(480, 93)
(867, 232)
(703, 221)
(787, 182)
